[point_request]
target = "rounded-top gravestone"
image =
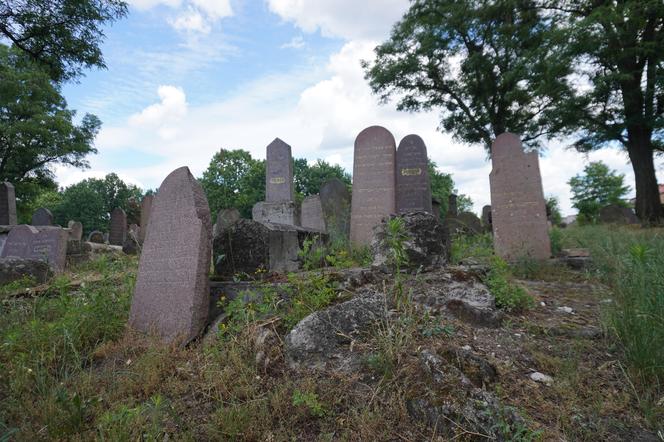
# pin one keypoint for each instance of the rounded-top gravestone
(374, 182)
(96, 236)
(118, 230)
(171, 295)
(413, 185)
(42, 217)
(75, 230)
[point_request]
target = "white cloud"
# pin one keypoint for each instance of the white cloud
(214, 9)
(163, 116)
(295, 43)
(347, 19)
(192, 16)
(149, 4)
(191, 21)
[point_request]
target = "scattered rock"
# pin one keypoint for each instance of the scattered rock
(480, 372)
(130, 246)
(13, 269)
(541, 378)
(565, 309)
(320, 340)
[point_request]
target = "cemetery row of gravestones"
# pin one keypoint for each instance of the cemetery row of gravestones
(172, 292)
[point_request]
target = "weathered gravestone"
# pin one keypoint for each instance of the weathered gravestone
(118, 230)
(435, 207)
(47, 244)
(146, 206)
(452, 209)
(172, 286)
(615, 214)
(7, 204)
(486, 218)
(279, 205)
(374, 182)
(96, 237)
(312, 213)
(466, 223)
(335, 201)
(42, 217)
(518, 209)
(225, 219)
(75, 230)
(413, 185)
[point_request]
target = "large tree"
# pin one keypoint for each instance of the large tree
(62, 35)
(486, 65)
(37, 130)
(619, 50)
(308, 179)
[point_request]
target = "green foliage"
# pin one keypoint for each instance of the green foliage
(63, 36)
(37, 130)
(234, 180)
(487, 66)
(310, 401)
(442, 186)
(313, 253)
(477, 247)
(307, 295)
(143, 422)
(553, 210)
(509, 296)
(556, 237)
(308, 179)
(597, 187)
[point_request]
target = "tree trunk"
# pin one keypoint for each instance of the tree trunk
(648, 206)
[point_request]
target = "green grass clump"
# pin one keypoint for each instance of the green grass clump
(631, 262)
(509, 296)
(478, 247)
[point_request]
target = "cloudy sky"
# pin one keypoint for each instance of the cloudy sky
(188, 77)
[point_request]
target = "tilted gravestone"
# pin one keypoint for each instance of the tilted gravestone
(335, 201)
(96, 236)
(48, 244)
(146, 206)
(7, 204)
(75, 230)
(118, 230)
(279, 205)
(615, 214)
(312, 213)
(225, 219)
(42, 217)
(374, 182)
(171, 296)
(413, 184)
(518, 209)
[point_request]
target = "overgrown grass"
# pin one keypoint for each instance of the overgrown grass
(478, 248)
(631, 262)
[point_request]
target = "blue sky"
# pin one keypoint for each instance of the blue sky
(188, 77)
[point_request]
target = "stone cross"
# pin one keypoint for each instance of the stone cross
(279, 172)
(312, 213)
(518, 208)
(171, 296)
(413, 185)
(48, 244)
(42, 217)
(118, 230)
(335, 201)
(146, 206)
(7, 204)
(374, 182)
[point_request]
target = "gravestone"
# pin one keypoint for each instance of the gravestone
(435, 207)
(374, 182)
(7, 204)
(47, 244)
(518, 209)
(96, 237)
(225, 219)
(172, 286)
(486, 218)
(118, 230)
(75, 230)
(279, 173)
(42, 217)
(312, 213)
(146, 206)
(466, 223)
(452, 210)
(413, 185)
(335, 202)
(283, 212)
(615, 214)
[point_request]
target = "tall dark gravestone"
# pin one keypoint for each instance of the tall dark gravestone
(279, 173)
(48, 244)
(335, 202)
(374, 182)
(42, 217)
(118, 230)
(413, 184)
(7, 204)
(518, 208)
(171, 296)
(146, 206)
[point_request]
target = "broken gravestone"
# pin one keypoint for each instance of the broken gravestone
(42, 217)
(172, 286)
(615, 214)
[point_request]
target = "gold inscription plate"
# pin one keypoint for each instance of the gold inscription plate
(277, 180)
(411, 172)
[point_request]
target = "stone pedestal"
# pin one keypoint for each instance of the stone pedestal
(282, 212)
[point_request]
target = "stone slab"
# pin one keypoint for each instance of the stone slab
(518, 208)
(7, 204)
(336, 201)
(312, 213)
(284, 212)
(374, 182)
(413, 183)
(28, 242)
(171, 296)
(279, 172)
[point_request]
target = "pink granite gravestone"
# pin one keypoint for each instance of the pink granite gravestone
(171, 296)
(374, 182)
(413, 185)
(146, 206)
(518, 209)
(47, 244)
(118, 230)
